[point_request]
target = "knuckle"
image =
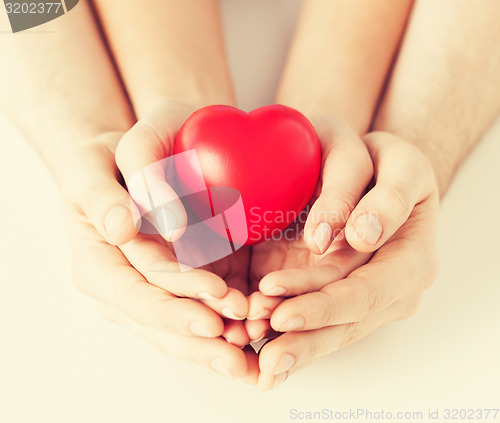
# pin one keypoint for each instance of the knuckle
(335, 207)
(333, 272)
(352, 332)
(374, 301)
(339, 304)
(313, 351)
(396, 199)
(347, 202)
(324, 313)
(294, 342)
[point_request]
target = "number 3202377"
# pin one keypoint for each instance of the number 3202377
(32, 8)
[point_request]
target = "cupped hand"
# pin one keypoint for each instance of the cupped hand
(140, 158)
(180, 305)
(305, 250)
(180, 327)
(397, 220)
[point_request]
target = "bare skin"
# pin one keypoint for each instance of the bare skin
(408, 130)
(77, 127)
(443, 95)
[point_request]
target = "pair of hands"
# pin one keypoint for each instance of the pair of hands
(323, 295)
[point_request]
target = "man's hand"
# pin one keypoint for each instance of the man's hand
(405, 202)
(180, 327)
(346, 170)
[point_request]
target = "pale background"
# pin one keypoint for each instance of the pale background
(60, 362)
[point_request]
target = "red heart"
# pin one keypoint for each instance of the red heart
(271, 155)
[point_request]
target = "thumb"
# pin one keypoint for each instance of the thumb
(346, 171)
(404, 178)
(141, 157)
(92, 182)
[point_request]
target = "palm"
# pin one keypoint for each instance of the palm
(233, 269)
(293, 253)
(277, 254)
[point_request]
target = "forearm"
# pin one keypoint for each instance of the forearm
(168, 50)
(340, 58)
(445, 89)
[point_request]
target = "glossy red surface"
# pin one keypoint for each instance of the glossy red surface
(271, 155)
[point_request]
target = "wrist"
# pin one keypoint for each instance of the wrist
(196, 89)
(321, 107)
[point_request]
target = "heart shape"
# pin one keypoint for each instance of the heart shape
(271, 156)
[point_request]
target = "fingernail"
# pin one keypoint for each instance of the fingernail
(368, 228)
(116, 218)
(294, 323)
(258, 339)
(286, 362)
(198, 329)
(166, 222)
(220, 367)
(229, 313)
(280, 378)
(323, 236)
(274, 291)
(264, 314)
(206, 296)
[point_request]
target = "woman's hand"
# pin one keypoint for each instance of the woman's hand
(180, 327)
(170, 304)
(140, 153)
(402, 211)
